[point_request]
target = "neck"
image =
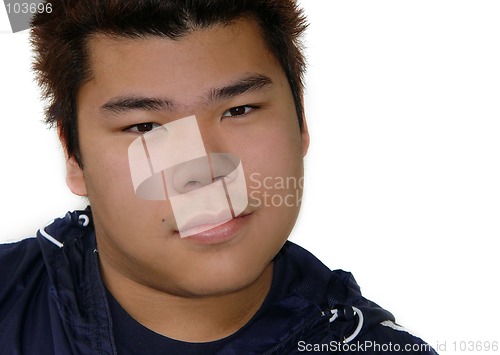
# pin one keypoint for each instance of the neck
(186, 318)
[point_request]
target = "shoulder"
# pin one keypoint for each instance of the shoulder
(307, 276)
(371, 327)
(389, 337)
(23, 291)
(17, 261)
(11, 251)
(42, 286)
(28, 266)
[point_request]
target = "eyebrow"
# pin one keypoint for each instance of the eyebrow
(252, 82)
(248, 83)
(127, 103)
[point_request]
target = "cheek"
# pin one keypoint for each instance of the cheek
(108, 172)
(274, 155)
(109, 184)
(274, 173)
(110, 189)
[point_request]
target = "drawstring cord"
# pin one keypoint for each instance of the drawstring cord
(85, 219)
(348, 315)
(49, 237)
(85, 222)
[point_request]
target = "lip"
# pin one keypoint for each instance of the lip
(205, 221)
(219, 233)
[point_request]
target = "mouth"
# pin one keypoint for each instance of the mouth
(220, 232)
(203, 221)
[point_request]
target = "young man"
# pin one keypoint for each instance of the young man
(183, 124)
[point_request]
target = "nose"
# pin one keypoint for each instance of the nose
(190, 175)
(172, 163)
(200, 172)
(193, 174)
(206, 191)
(203, 189)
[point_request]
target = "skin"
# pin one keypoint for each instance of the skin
(175, 286)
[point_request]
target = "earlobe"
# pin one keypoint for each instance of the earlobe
(74, 177)
(74, 172)
(305, 137)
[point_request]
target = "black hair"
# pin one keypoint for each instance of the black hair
(59, 39)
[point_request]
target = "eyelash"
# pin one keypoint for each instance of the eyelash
(137, 126)
(245, 107)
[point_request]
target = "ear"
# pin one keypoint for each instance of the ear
(74, 172)
(74, 177)
(305, 136)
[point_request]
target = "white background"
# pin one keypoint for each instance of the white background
(403, 106)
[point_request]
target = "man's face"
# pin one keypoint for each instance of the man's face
(226, 78)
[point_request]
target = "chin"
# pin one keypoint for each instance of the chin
(224, 280)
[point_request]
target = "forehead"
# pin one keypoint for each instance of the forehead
(219, 49)
(182, 70)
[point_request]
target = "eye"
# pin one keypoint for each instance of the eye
(142, 127)
(238, 111)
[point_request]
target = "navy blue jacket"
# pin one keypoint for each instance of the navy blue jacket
(53, 301)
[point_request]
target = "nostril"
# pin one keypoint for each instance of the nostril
(224, 166)
(192, 185)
